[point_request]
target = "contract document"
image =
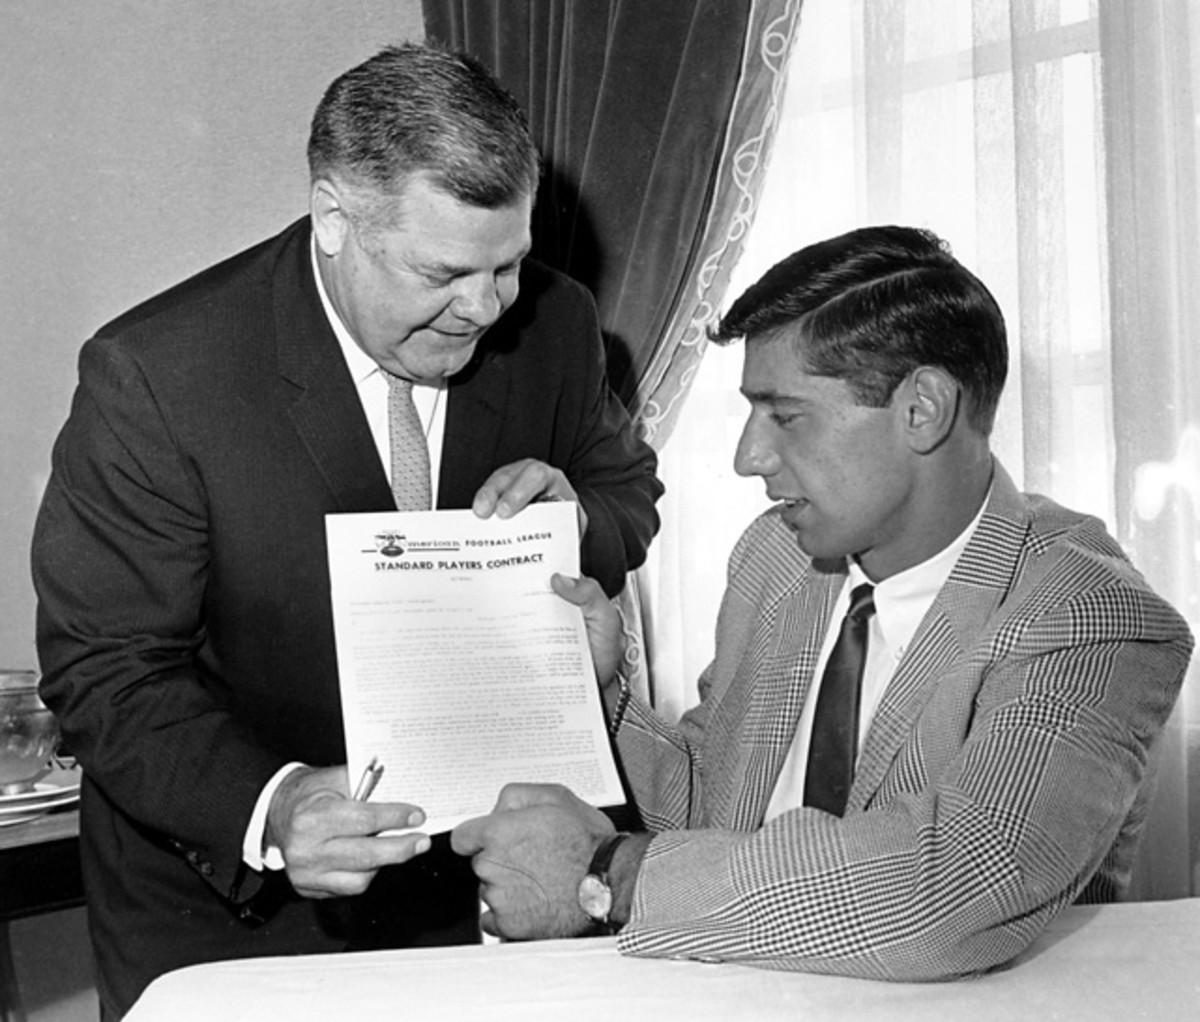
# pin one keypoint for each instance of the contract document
(460, 668)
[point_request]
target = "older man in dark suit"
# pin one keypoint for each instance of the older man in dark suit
(184, 621)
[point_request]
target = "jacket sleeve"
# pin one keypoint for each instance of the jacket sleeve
(965, 852)
(120, 556)
(665, 763)
(611, 469)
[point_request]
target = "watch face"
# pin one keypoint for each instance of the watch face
(595, 898)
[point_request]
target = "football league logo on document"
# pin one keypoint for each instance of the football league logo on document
(390, 544)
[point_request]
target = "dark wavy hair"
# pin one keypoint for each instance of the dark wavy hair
(417, 108)
(872, 305)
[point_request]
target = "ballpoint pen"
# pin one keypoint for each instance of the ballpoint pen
(370, 778)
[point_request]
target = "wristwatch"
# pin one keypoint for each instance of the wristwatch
(595, 889)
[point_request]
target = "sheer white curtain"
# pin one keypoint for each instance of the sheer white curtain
(1054, 144)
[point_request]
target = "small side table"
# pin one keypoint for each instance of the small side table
(39, 872)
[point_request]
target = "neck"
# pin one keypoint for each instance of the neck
(946, 499)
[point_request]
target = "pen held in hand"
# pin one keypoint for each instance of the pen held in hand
(370, 778)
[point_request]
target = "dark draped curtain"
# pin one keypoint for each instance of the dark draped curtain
(630, 103)
(654, 119)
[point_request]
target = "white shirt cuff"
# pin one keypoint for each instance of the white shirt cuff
(254, 853)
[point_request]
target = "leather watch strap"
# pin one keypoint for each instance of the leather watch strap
(595, 890)
(603, 858)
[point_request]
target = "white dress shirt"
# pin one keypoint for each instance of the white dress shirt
(900, 603)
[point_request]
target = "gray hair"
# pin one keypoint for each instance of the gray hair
(413, 109)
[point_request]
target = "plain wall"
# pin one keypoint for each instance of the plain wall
(140, 140)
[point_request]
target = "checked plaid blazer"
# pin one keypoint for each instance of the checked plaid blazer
(1001, 778)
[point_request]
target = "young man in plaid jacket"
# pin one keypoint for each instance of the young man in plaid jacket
(1018, 669)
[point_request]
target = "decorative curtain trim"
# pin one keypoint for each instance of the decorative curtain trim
(754, 116)
(755, 113)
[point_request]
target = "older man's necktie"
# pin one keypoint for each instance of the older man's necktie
(834, 744)
(410, 451)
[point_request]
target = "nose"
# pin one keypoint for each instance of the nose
(756, 454)
(479, 300)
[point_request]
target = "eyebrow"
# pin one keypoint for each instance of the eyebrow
(450, 270)
(773, 397)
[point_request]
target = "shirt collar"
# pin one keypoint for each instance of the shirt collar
(901, 600)
(361, 364)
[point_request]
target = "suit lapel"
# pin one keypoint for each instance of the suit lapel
(784, 686)
(476, 407)
(325, 407)
(958, 615)
(757, 721)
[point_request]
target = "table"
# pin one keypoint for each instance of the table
(39, 872)
(1126, 962)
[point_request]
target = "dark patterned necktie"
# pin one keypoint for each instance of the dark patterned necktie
(834, 744)
(410, 451)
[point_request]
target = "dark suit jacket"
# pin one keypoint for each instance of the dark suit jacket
(1001, 778)
(184, 622)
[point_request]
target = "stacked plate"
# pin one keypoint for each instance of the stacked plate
(56, 790)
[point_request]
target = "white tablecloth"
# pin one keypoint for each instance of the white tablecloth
(1120, 962)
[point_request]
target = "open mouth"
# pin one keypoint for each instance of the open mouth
(793, 509)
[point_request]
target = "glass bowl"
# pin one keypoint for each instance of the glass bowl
(29, 732)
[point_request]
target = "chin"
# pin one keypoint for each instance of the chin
(462, 362)
(817, 547)
(434, 372)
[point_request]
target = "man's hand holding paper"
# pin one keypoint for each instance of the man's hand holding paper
(514, 486)
(329, 841)
(601, 620)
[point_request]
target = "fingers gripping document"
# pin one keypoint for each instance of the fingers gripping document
(460, 669)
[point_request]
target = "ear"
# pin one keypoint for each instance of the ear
(331, 225)
(931, 399)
